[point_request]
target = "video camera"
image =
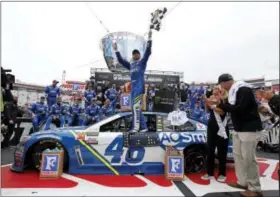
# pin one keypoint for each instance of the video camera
(6, 78)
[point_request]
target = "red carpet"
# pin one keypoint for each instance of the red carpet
(159, 180)
(231, 177)
(114, 181)
(30, 179)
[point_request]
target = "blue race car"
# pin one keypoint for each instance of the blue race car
(107, 148)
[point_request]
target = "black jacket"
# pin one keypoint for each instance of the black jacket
(11, 112)
(244, 114)
(274, 104)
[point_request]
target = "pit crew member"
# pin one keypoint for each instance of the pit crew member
(92, 113)
(57, 112)
(107, 109)
(89, 94)
(112, 94)
(52, 93)
(39, 112)
(75, 114)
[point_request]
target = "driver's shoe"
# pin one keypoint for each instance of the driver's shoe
(133, 131)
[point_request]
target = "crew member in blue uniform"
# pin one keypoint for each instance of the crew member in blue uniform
(137, 70)
(92, 113)
(89, 94)
(197, 111)
(75, 114)
(112, 94)
(67, 116)
(39, 113)
(107, 109)
(57, 112)
(52, 93)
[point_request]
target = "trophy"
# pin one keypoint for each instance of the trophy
(127, 42)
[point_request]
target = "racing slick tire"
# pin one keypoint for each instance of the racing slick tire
(37, 150)
(195, 160)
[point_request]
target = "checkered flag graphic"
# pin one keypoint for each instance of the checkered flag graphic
(157, 16)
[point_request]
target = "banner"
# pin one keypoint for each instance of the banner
(121, 78)
(164, 101)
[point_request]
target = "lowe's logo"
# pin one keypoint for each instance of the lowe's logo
(182, 139)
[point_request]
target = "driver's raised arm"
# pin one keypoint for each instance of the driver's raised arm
(123, 62)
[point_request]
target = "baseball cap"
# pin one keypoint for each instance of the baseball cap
(225, 78)
(135, 51)
(55, 81)
(42, 97)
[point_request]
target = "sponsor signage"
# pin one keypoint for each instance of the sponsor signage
(125, 102)
(164, 101)
(52, 165)
(174, 164)
(121, 78)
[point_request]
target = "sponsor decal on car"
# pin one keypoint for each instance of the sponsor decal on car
(79, 155)
(91, 140)
(173, 139)
(200, 126)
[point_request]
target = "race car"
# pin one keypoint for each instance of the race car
(108, 148)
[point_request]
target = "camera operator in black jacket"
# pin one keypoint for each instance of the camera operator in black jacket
(11, 112)
(247, 125)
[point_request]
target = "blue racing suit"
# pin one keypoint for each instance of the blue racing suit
(112, 95)
(137, 76)
(57, 111)
(92, 114)
(40, 110)
(52, 92)
(75, 115)
(107, 111)
(197, 113)
(89, 94)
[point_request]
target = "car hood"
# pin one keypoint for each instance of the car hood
(60, 130)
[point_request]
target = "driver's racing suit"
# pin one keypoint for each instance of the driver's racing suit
(57, 111)
(137, 74)
(92, 114)
(40, 110)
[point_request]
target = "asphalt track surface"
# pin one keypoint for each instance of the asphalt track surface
(7, 158)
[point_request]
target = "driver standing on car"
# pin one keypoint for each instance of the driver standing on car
(56, 113)
(92, 113)
(39, 113)
(137, 70)
(75, 114)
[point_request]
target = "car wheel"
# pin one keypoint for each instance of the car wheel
(195, 160)
(41, 147)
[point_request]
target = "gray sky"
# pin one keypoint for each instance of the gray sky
(201, 39)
